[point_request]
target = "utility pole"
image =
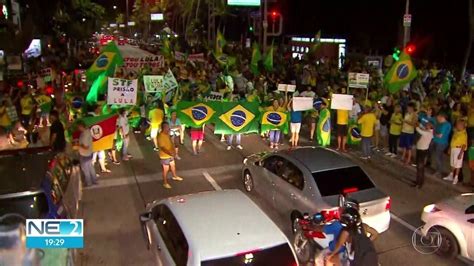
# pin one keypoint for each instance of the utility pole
(127, 18)
(406, 26)
(265, 24)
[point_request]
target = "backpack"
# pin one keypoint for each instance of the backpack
(364, 250)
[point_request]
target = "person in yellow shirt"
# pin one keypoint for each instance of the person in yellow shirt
(367, 127)
(341, 125)
(457, 148)
(274, 134)
(27, 105)
(407, 138)
(396, 121)
(167, 153)
(156, 116)
(5, 122)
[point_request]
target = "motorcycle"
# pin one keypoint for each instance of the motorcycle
(305, 238)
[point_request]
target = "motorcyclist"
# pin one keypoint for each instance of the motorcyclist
(332, 227)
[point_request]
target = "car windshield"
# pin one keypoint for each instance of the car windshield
(278, 255)
(30, 207)
(342, 180)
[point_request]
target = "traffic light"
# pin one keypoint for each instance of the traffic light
(410, 49)
(396, 54)
(274, 15)
(250, 28)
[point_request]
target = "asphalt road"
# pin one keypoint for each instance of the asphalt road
(111, 209)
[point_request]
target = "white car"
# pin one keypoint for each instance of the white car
(214, 228)
(453, 218)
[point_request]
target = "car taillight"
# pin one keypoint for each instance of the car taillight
(330, 215)
(431, 208)
(349, 190)
(388, 205)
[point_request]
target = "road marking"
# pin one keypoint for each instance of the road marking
(211, 180)
(403, 222)
(123, 181)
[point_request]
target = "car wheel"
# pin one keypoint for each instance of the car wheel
(248, 181)
(302, 247)
(295, 215)
(449, 246)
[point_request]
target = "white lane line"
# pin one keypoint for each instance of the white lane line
(403, 222)
(211, 180)
(123, 181)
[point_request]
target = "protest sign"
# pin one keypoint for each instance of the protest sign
(122, 91)
(302, 103)
(342, 101)
(358, 80)
(196, 57)
(169, 85)
(214, 96)
(135, 63)
(153, 83)
(46, 74)
(287, 87)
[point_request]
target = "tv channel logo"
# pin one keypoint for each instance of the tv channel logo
(54, 233)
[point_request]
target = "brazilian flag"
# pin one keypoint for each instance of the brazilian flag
(109, 58)
(195, 114)
(400, 74)
(256, 57)
(98, 87)
(323, 128)
(275, 120)
(353, 133)
(220, 43)
(237, 117)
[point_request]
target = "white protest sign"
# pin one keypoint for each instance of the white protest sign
(358, 80)
(302, 103)
(214, 96)
(287, 87)
(153, 83)
(342, 101)
(135, 63)
(122, 91)
(169, 85)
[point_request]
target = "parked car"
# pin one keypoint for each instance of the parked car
(121, 40)
(453, 218)
(37, 184)
(310, 179)
(214, 228)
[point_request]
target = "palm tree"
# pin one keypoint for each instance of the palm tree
(467, 52)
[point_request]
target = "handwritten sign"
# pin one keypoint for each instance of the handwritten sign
(122, 91)
(287, 87)
(153, 83)
(342, 102)
(135, 63)
(214, 96)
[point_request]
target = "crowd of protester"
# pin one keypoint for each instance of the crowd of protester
(419, 125)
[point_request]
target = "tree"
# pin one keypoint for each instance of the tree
(467, 52)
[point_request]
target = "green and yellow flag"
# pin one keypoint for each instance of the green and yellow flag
(98, 87)
(323, 129)
(275, 120)
(256, 57)
(220, 43)
(268, 60)
(400, 74)
(237, 117)
(109, 58)
(195, 114)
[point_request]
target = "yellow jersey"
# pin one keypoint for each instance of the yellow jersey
(156, 117)
(367, 124)
(459, 139)
(164, 143)
(342, 117)
(396, 122)
(4, 118)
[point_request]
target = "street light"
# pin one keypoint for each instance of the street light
(115, 7)
(83, 19)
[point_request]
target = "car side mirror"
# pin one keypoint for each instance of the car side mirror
(144, 218)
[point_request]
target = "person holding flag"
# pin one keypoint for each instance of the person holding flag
(323, 127)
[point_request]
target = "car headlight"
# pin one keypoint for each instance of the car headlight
(431, 208)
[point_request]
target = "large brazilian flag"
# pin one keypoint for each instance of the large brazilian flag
(400, 74)
(323, 129)
(353, 133)
(195, 114)
(275, 120)
(237, 117)
(109, 58)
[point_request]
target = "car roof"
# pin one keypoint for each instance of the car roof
(318, 159)
(23, 170)
(223, 223)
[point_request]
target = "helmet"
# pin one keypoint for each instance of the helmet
(318, 218)
(351, 203)
(350, 218)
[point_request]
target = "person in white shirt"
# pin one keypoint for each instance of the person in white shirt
(422, 151)
(85, 154)
(124, 130)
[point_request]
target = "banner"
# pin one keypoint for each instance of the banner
(46, 74)
(302, 103)
(102, 129)
(342, 102)
(122, 91)
(287, 87)
(153, 83)
(196, 57)
(214, 96)
(135, 63)
(358, 80)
